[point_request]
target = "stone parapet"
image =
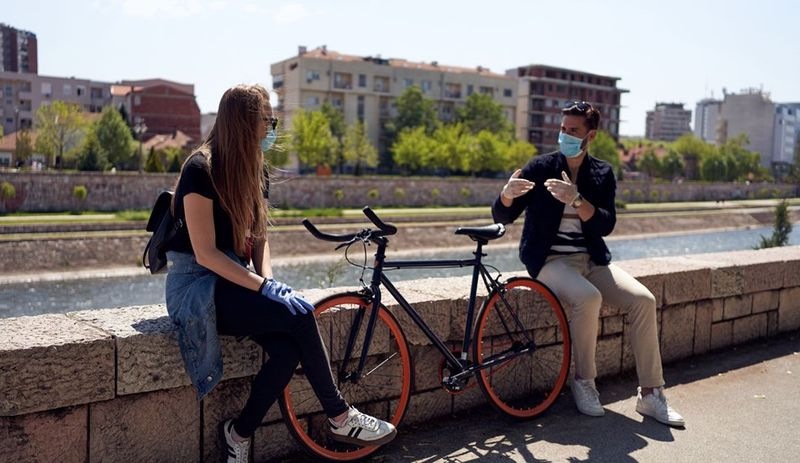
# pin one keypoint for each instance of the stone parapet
(110, 384)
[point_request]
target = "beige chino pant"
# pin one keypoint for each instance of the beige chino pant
(582, 287)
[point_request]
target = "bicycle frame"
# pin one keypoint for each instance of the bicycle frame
(459, 366)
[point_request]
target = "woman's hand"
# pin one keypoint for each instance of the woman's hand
(281, 292)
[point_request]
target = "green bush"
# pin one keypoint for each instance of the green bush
(465, 192)
(620, 204)
(373, 194)
(338, 195)
(7, 191)
(80, 192)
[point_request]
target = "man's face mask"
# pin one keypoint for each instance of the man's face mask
(568, 145)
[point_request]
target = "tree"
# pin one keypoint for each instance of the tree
(338, 129)
(484, 152)
(742, 163)
(481, 112)
(450, 147)
(115, 138)
(357, 148)
(692, 149)
(782, 230)
(713, 167)
(649, 163)
(672, 165)
(311, 138)
(79, 192)
(413, 110)
(604, 147)
(174, 163)
(24, 146)
(518, 153)
(153, 163)
(91, 156)
(60, 129)
(413, 149)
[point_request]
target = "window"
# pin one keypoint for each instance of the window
(8, 91)
(452, 90)
(277, 82)
(487, 91)
(342, 80)
(360, 108)
(312, 75)
(97, 92)
(507, 93)
(426, 86)
(137, 100)
(66, 90)
(47, 89)
(362, 80)
(408, 82)
(312, 101)
(469, 90)
(80, 90)
(337, 102)
(381, 84)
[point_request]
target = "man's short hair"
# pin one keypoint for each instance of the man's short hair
(585, 110)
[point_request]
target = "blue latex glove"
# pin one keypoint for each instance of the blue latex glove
(283, 293)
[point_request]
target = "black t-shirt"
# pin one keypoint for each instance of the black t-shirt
(195, 179)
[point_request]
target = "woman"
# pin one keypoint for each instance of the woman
(210, 291)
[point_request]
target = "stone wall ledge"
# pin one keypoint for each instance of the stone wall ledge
(113, 374)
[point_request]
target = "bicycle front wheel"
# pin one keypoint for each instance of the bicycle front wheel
(522, 345)
(382, 389)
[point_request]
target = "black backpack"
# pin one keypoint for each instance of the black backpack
(164, 227)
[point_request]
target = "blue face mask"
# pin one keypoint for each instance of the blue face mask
(268, 141)
(568, 145)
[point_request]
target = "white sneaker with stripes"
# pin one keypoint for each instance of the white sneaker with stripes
(362, 429)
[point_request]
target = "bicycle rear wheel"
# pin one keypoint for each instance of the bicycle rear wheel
(522, 332)
(383, 389)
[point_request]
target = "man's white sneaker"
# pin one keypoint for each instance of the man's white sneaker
(362, 429)
(587, 399)
(655, 406)
(235, 452)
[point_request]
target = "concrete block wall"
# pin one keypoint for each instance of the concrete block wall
(109, 385)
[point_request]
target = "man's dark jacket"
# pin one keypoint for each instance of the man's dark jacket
(596, 184)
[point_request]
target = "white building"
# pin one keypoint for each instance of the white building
(706, 118)
(787, 131)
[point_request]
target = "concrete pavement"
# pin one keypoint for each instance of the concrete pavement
(740, 405)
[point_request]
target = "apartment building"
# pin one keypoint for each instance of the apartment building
(365, 87)
(163, 106)
(542, 91)
(750, 112)
(786, 141)
(706, 119)
(667, 122)
(22, 94)
(19, 50)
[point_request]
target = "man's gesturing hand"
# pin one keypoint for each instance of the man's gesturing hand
(516, 186)
(563, 190)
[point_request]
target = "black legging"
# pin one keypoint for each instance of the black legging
(288, 340)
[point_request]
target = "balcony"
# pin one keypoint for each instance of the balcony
(342, 81)
(381, 84)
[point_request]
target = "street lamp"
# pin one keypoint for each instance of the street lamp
(139, 129)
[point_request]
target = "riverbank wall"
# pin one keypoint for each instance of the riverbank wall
(109, 385)
(53, 191)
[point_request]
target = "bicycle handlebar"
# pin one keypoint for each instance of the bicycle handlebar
(383, 229)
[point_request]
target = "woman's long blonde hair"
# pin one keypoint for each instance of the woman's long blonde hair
(236, 164)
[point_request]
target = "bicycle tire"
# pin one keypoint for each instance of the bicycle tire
(383, 391)
(526, 385)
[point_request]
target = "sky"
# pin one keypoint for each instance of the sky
(662, 51)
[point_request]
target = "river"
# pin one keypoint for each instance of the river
(324, 271)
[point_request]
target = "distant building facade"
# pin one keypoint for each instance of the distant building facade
(24, 93)
(543, 92)
(786, 142)
(365, 87)
(668, 122)
(706, 120)
(752, 113)
(165, 107)
(19, 50)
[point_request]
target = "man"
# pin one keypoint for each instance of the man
(568, 197)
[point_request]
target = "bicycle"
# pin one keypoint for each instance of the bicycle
(520, 343)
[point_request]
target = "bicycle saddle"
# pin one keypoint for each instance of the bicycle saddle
(483, 234)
